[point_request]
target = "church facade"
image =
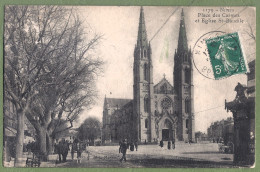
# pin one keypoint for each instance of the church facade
(158, 111)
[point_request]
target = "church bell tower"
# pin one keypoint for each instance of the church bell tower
(143, 105)
(183, 85)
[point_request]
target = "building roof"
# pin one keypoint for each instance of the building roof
(114, 102)
(168, 87)
(162, 81)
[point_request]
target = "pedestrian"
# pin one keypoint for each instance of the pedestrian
(87, 151)
(173, 144)
(29, 147)
(145, 141)
(123, 150)
(161, 143)
(79, 151)
(59, 149)
(132, 146)
(64, 150)
(169, 144)
(120, 146)
(128, 144)
(136, 145)
(73, 148)
(55, 148)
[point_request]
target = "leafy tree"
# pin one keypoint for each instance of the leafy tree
(90, 129)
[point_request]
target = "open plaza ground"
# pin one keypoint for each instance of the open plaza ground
(199, 155)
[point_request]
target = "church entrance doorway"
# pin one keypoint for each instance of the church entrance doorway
(166, 130)
(165, 134)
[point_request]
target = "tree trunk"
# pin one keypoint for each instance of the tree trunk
(19, 139)
(42, 141)
(50, 145)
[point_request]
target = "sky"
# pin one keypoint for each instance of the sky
(119, 27)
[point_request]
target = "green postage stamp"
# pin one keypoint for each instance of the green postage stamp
(226, 55)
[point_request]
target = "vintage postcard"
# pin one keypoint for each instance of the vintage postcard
(129, 86)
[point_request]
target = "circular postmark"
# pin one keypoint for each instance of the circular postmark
(201, 59)
(218, 55)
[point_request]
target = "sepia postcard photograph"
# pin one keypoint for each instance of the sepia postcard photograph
(129, 86)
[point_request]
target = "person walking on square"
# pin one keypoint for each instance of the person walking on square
(173, 144)
(74, 148)
(59, 150)
(80, 149)
(123, 149)
(64, 150)
(29, 147)
(161, 143)
(190, 141)
(86, 149)
(169, 144)
(132, 146)
(120, 146)
(136, 145)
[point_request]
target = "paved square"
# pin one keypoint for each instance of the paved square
(204, 155)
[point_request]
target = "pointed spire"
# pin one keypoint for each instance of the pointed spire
(142, 35)
(105, 102)
(182, 42)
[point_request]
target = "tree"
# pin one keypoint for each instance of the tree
(90, 129)
(50, 68)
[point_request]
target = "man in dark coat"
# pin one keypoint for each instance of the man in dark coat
(73, 148)
(132, 146)
(64, 149)
(161, 143)
(59, 150)
(173, 144)
(123, 148)
(169, 145)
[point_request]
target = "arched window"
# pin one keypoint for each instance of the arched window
(146, 72)
(146, 104)
(187, 105)
(185, 57)
(187, 76)
(146, 123)
(187, 123)
(145, 54)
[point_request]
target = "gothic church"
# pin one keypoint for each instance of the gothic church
(157, 112)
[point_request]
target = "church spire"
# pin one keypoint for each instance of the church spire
(182, 42)
(142, 35)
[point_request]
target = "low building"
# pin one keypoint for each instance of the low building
(10, 130)
(200, 137)
(221, 131)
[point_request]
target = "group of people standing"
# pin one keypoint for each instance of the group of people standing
(79, 147)
(63, 147)
(171, 144)
(31, 147)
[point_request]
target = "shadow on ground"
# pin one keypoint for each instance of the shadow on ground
(169, 163)
(208, 152)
